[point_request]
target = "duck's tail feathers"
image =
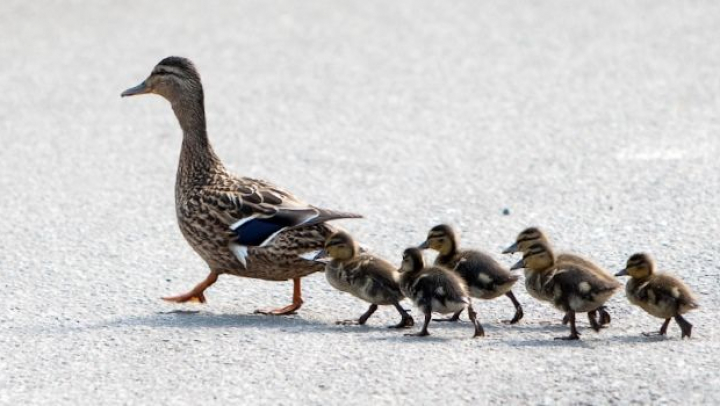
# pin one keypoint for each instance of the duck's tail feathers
(324, 215)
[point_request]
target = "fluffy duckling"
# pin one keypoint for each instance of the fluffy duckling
(434, 289)
(534, 280)
(364, 276)
(573, 288)
(485, 277)
(661, 295)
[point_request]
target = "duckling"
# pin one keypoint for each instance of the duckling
(239, 226)
(572, 288)
(533, 280)
(434, 289)
(485, 277)
(661, 295)
(364, 276)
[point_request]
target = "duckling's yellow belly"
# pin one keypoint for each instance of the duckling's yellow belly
(534, 283)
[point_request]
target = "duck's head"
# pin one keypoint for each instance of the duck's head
(640, 265)
(340, 246)
(412, 260)
(527, 238)
(537, 257)
(174, 78)
(441, 238)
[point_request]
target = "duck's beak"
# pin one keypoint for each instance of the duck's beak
(511, 249)
(142, 88)
(622, 273)
(518, 265)
(424, 245)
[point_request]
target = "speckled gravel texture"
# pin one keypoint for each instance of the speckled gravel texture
(599, 121)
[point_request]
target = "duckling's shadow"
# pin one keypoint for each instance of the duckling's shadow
(641, 339)
(401, 337)
(196, 319)
(551, 342)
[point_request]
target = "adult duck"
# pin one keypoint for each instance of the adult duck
(239, 226)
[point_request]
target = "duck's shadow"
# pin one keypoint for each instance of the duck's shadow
(199, 319)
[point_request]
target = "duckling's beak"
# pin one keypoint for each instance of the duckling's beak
(425, 245)
(321, 256)
(142, 88)
(518, 265)
(622, 273)
(511, 249)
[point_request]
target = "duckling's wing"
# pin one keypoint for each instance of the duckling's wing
(381, 272)
(667, 288)
(473, 264)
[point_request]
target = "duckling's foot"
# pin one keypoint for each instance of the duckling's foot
(424, 332)
(479, 331)
(685, 326)
(566, 319)
(518, 309)
(662, 332)
(574, 335)
(407, 320)
(197, 293)
(455, 317)
(364, 318)
(592, 318)
(605, 318)
(289, 309)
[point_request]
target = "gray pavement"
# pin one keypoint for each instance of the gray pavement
(598, 121)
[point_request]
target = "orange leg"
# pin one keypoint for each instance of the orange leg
(197, 293)
(297, 302)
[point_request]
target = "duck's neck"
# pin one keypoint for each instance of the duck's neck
(198, 162)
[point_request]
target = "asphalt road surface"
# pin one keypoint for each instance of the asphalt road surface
(598, 121)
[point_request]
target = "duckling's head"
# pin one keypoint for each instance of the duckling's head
(412, 260)
(526, 239)
(441, 238)
(341, 246)
(538, 257)
(640, 265)
(174, 78)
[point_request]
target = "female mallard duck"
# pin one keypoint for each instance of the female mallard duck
(239, 226)
(572, 288)
(485, 277)
(661, 295)
(364, 276)
(534, 281)
(434, 289)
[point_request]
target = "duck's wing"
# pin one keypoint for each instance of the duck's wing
(256, 211)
